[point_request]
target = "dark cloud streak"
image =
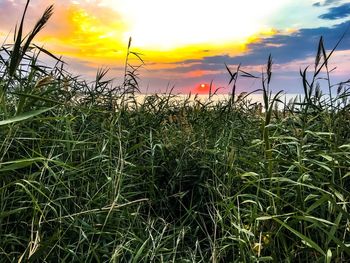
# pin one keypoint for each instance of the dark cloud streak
(326, 3)
(338, 12)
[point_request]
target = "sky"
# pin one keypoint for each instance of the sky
(185, 44)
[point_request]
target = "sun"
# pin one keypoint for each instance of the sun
(202, 88)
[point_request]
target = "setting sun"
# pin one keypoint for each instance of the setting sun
(203, 88)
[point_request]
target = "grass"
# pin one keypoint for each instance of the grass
(104, 179)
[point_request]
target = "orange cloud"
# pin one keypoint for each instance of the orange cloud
(199, 73)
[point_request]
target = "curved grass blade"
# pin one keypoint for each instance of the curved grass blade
(307, 240)
(24, 116)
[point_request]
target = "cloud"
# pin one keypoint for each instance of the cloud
(284, 49)
(330, 2)
(11, 12)
(8, 7)
(338, 12)
(326, 3)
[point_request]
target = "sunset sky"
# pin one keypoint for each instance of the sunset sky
(186, 43)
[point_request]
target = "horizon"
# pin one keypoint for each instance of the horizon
(185, 44)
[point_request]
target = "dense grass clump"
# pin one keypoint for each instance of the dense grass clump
(88, 174)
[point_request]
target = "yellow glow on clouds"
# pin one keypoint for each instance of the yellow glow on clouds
(78, 31)
(164, 30)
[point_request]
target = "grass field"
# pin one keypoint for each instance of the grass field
(104, 179)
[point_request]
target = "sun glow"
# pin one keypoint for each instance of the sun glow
(169, 24)
(203, 88)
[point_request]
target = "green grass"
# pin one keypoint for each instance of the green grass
(108, 180)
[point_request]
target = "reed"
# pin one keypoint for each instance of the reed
(85, 176)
